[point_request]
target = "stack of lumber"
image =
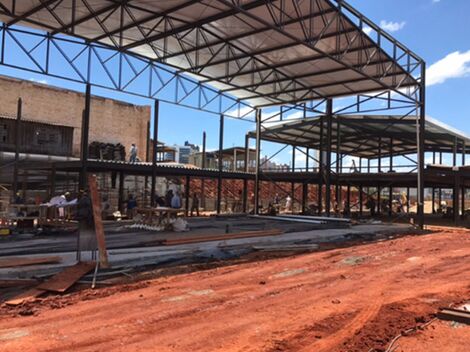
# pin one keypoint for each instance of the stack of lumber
(221, 237)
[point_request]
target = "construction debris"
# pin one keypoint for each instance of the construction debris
(20, 261)
(17, 282)
(222, 237)
(62, 281)
(26, 296)
(457, 315)
(96, 202)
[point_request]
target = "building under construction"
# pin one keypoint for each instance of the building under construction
(314, 78)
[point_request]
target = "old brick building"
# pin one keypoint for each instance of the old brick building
(111, 121)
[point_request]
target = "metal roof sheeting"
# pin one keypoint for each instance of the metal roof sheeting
(263, 52)
(360, 135)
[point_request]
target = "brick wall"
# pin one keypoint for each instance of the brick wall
(111, 121)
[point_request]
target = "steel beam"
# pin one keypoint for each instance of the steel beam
(221, 163)
(329, 128)
(421, 145)
(85, 136)
(257, 167)
(17, 146)
(156, 112)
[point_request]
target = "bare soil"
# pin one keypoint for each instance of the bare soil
(349, 299)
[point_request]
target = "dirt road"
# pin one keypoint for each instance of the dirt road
(353, 299)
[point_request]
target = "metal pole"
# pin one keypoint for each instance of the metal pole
(454, 152)
(188, 189)
(293, 158)
(147, 158)
(203, 166)
(455, 198)
(156, 111)
(292, 186)
(121, 192)
(257, 167)
(463, 152)
(329, 114)
(85, 135)
(379, 167)
(360, 200)
(307, 152)
(320, 169)
(408, 200)
(53, 177)
(17, 146)
(421, 136)
(304, 196)
(221, 157)
(245, 181)
(390, 194)
(338, 154)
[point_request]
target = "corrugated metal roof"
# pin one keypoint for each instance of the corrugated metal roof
(263, 52)
(361, 135)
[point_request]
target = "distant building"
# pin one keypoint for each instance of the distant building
(233, 159)
(268, 165)
(111, 121)
(183, 152)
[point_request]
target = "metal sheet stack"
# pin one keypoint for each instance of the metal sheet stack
(106, 151)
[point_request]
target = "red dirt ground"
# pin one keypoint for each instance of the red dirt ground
(350, 299)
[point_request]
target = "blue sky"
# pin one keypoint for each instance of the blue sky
(435, 30)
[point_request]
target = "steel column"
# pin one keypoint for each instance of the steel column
(221, 165)
(329, 115)
(257, 166)
(379, 167)
(360, 200)
(203, 166)
(320, 168)
(121, 193)
(19, 112)
(304, 196)
(455, 198)
(85, 135)
(156, 111)
(454, 152)
(187, 189)
(245, 181)
(463, 152)
(53, 183)
(421, 146)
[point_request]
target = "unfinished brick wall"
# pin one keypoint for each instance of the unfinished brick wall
(111, 121)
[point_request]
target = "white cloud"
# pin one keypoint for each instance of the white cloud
(454, 65)
(367, 30)
(42, 81)
(242, 111)
(392, 26)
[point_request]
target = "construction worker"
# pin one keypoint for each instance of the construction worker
(176, 201)
(133, 153)
(195, 204)
(131, 206)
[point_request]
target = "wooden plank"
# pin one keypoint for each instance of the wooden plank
(62, 281)
(96, 202)
(20, 261)
(26, 296)
(17, 282)
(222, 237)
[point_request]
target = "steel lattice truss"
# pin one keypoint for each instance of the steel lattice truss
(226, 55)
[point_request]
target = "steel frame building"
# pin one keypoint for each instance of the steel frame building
(233, 58)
